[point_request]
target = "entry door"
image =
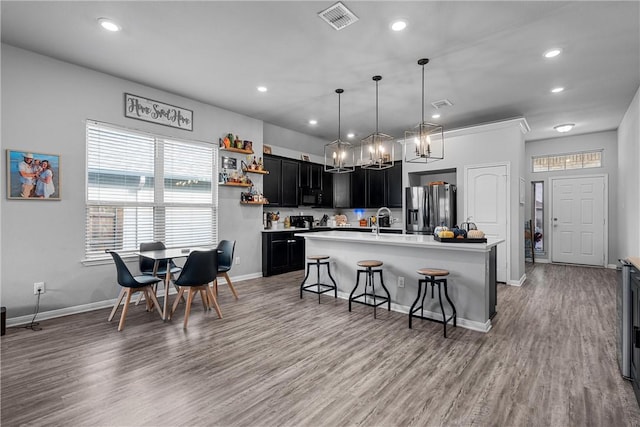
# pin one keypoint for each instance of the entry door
(578, 220)
(486, 203)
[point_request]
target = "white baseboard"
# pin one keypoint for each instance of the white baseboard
(542, 261)
(52, 314)
(464, 323)
(612, 266)
(518, 282)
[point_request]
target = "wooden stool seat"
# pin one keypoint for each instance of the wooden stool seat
(433, 272)
(369, 263)
(318, 257)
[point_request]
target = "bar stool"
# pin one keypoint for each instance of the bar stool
(317, 261)
(369, 270)
(434, 277)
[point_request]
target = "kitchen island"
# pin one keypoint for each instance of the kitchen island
(472, 267)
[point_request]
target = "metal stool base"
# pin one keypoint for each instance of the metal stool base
(369, 281)
(320, 288)
(431, 280)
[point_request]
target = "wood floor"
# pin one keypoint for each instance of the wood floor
(550, 360)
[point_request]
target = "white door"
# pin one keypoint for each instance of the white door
(578, 220)
(486, 203)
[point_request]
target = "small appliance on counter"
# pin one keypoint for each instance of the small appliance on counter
(301, 221)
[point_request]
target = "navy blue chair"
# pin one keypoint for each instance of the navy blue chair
(200, 269)
(130, 285)
(226, 249)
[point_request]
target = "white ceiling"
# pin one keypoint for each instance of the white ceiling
(486, 58)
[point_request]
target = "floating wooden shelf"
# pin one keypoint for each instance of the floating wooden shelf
(237, 150)
(234, 184)
(256, 171)
(254, 203)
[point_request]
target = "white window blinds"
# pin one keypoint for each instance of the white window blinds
(146, 188)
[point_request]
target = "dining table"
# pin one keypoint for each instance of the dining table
(167, 255)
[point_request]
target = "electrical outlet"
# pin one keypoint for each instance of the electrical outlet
(38, 287)
(237, 260)
(401, 282)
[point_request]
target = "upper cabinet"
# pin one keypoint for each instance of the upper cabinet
(369, 188)
(311, 175)
(281, 185)
(393, 186)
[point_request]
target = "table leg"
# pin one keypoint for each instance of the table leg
(167, 282)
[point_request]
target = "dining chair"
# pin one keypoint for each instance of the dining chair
(130, 285)
(226, 249)
(199, 270)
(146, 264)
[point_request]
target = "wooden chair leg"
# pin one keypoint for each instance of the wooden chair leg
(155, 302)
(125, 309)
(214, 302)
(233, 290)
(205, 298)
(177, 301)
(187, 310)
(117, 304)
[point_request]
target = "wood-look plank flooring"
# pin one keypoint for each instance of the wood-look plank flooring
(276, 360)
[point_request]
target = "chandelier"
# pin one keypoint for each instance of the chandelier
(376, 150)
(338, 155)
(425, 142)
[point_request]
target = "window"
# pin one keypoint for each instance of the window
(145, 188)
(583, 160)
(538, 215)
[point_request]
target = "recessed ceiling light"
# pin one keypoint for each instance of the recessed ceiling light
(109, 25)
(262, 89)
(435, 116)
(552, 53)
(351, 135)
(399, 25)
(313, 122)
(566, 127)
(557, 89)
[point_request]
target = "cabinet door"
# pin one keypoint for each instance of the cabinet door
(394, 186)
(342, 190)
(279, 253)
(305, 174)
(290, 183)
(327, 189)
(315, 176)
(296, 254)
(271, 185)
(359, 188)
(376, 192)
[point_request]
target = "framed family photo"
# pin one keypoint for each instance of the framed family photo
(32, 175)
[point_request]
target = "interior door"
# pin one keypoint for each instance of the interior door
(578, 220)
(486, 204)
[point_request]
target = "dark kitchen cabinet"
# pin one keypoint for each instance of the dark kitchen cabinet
(393, 185)
(327, 189)
(280, 186)
(342, 190)
(635, 331)
(359, 188)
(272, 188)
(282, 252)
(311, 175)
(376, 191)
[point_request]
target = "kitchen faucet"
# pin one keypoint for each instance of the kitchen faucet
(378, 216)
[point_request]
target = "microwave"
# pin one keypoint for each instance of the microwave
(310, 197)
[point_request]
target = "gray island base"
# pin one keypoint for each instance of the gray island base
(472, 267)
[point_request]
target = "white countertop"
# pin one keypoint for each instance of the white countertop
(336, 228)
(413, 240)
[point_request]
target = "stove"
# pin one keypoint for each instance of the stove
(299, 221)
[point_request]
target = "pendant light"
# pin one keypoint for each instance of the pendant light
(376, 150)
(338, 155)
(425, 142)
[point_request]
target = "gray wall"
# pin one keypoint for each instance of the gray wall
(606, 141)
(629, 179)
(500, 142)
(45, 104)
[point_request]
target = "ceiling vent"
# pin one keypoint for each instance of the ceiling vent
(338, 16)
(442, 103)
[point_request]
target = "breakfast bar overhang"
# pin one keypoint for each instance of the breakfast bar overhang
(472, 267)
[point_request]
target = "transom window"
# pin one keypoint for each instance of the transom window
(144, 188)
(581, 160)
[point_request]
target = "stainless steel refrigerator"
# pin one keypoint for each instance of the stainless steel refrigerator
(430, 206)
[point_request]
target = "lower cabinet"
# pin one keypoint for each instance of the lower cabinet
(635, 331)
(282, 252)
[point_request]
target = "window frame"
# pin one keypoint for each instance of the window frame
(548, 160)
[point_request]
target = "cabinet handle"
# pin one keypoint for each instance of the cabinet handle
(636, 337)
(291, 241)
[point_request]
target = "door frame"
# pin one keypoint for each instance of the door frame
(605, 208)
(507, 240)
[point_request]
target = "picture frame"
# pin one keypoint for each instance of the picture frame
(42, 175)
(161, 113)
(266, 149)
(228, 162)
(305, 157)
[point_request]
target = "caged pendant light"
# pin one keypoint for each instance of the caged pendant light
(339, 155)
(377, 150)
(425, 142)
